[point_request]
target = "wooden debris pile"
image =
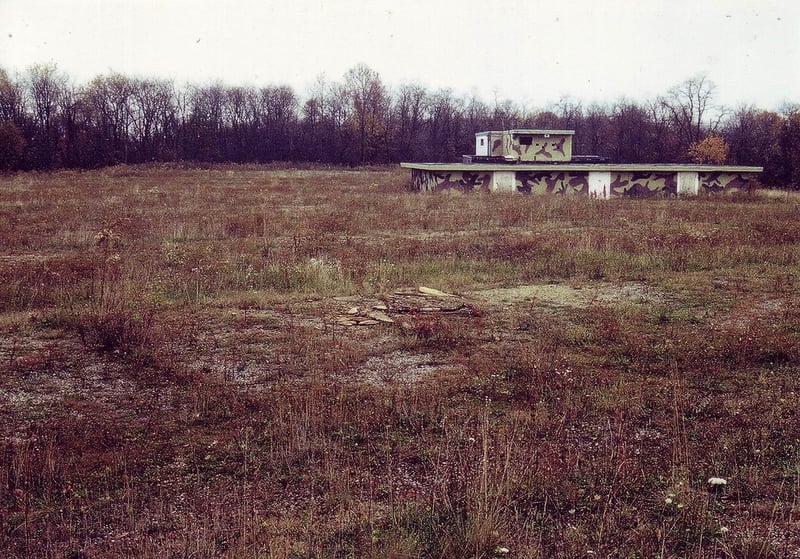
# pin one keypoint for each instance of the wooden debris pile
(404, 301)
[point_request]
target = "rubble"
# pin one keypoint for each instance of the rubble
(402, 301)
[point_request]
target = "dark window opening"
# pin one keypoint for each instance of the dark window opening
(526, 140)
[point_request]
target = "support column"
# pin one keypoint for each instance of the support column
(503, 181)
(688, 183)
(600, 184)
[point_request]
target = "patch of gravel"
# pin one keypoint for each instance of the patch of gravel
(398, 367)
(560, 295)
(752, 311)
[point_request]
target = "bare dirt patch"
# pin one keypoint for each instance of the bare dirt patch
(562, 295)
(402, 367)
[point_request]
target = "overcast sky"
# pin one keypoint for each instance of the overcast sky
(530, 51)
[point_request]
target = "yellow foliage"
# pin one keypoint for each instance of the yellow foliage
(712, 149)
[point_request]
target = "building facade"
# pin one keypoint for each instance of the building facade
(541, 162)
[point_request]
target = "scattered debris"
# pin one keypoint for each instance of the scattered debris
(717, 484)
(380, 316)
(356, 321)
(402, 301)
(434, 292)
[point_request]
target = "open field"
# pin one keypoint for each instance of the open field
(239, 362)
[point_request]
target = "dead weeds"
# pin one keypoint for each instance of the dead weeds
(276, 383)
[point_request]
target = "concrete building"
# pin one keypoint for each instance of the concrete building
(541, 162)
(525, 145)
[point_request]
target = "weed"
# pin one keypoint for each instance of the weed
(176, 382)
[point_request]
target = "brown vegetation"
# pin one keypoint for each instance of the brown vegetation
(176, 379)
(47, 122)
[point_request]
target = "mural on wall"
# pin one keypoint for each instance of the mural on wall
(539, 182)
(717, 182)
(542, 150)
(431, 181)
(538, 148)
(497, 145)
(643, 184)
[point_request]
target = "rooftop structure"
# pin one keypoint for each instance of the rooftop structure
(524, 145)
(541, 161)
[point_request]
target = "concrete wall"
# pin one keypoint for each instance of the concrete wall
(552, 182)
(716, 182)
(482, 144)
(600, 183)
(433, 181)
(643, 184)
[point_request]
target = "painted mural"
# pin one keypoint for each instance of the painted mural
(497, 144)
(717, 182)
(539, 182)
(431, 181)
(539, 148)
(643, 184)
(538, 161)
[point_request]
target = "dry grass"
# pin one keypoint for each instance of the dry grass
(176, 380)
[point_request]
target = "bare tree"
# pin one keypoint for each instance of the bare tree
(111, 101)
(690, 110)
(206, 122)
(338, 113)
(543, 119)
(11, 99)
(595, 130)
(12, 143)
(279, 104)
(73, 147)
(632, 133)
(312, 143)
(505, 114)
(45, 87)
(570, 111)
(325, 136)
(47, 122)
(151, 111)
(409, 113)
(445, 120)
(790, 145)
(370, 108)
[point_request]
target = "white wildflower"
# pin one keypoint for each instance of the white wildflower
(717, 481)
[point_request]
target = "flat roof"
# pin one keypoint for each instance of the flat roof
(556, 167)
(520, 131)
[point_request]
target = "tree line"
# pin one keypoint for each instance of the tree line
(47, 122)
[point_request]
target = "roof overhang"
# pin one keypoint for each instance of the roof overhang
(557, 167)
(527, 131)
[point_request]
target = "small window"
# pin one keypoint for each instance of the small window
(526, 140)
(482, 139)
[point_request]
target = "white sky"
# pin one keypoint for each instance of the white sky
(530, 51)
